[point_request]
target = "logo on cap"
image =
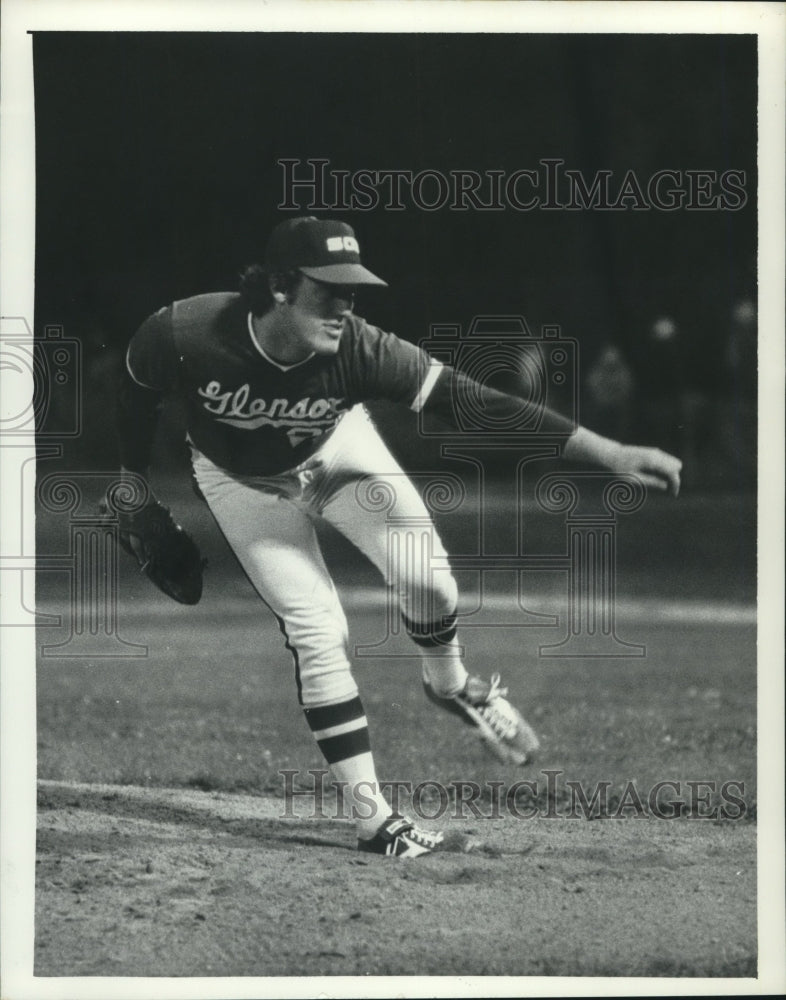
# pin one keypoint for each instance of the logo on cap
(323, 249)
(338, 243)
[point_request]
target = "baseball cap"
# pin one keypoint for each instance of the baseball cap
(323, 249)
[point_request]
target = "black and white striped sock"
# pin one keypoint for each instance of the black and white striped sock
(341, 732)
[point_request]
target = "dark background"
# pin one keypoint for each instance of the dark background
(157, 178)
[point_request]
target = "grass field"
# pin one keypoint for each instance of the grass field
(203, 724)
(195, 714)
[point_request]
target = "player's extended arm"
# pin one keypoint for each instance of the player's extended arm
(655, 468)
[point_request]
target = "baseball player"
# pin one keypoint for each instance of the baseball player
(274, 379)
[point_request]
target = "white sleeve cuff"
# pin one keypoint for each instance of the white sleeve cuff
(428, 384)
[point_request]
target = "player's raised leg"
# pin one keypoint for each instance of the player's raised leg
(375, 505)
(372, 502)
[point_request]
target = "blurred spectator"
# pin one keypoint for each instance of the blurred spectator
(660, 377)
(737, 411)
(675, 410)
(607, 403)
(740, 355)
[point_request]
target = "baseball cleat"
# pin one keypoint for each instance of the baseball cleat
(502, 727)
(399, 837)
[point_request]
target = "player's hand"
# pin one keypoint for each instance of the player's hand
(655, 468)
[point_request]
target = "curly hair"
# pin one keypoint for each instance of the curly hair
(255, 286)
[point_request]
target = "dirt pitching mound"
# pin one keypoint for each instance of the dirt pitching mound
(170, 882)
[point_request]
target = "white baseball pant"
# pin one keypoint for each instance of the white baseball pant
(351, 482)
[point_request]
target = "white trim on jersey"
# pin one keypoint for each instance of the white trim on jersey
(257, 345)
(128, 369)
(428, 384)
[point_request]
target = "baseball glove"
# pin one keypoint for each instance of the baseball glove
(167, 555)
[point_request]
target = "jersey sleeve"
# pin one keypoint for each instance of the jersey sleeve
(396, 370)
(150, 371)
(387, 367)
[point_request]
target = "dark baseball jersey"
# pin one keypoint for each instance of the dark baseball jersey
(251, 415)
